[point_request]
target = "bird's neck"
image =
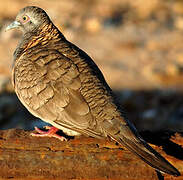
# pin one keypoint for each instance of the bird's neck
(42, 36)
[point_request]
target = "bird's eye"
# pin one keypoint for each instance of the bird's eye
(25, 18)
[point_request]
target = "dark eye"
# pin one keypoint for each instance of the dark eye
(25, 18)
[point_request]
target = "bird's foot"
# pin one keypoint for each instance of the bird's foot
(50, 133)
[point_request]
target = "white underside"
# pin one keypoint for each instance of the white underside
(65, 130)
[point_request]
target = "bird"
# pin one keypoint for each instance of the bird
(60, 84)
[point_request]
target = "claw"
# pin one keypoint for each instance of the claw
(50, 133)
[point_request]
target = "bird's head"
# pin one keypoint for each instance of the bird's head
(29, 19)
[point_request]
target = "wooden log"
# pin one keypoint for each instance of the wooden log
(26, 157)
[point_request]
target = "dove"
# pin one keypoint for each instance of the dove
(60, 84)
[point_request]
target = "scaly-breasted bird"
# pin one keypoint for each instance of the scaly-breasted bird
(59, 83)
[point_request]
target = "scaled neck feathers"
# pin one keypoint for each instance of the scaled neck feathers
(41, 36)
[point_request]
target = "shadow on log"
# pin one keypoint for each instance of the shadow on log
(26, 157)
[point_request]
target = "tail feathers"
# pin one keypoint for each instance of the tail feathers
(128, 137)
(148, 155)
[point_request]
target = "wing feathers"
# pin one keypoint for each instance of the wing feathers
(49, 85)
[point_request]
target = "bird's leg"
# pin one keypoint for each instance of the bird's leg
(50, 133)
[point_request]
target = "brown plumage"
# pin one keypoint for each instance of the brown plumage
(59, 83)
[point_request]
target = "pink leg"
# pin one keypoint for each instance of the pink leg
(50, 133)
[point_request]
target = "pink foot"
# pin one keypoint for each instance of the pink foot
(50, 133)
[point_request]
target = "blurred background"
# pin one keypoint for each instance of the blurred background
(138, 45)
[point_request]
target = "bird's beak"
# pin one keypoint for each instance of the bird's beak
(13, 25)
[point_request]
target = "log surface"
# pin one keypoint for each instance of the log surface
(26, 157)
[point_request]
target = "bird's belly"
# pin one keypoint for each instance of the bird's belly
(67, 131)
(45, 117)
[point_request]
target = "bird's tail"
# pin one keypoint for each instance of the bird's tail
(126, 135)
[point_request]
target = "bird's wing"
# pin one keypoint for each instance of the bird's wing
(48, 84)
